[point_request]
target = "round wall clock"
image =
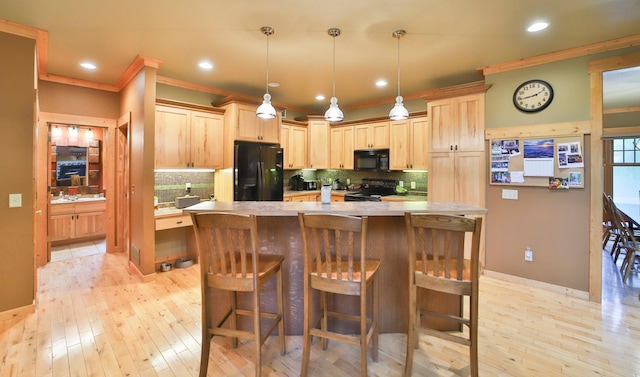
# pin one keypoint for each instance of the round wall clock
(532, 96)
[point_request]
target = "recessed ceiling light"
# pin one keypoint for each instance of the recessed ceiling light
(537, 26)
(274, 85)
(320, 97)
(88, 65)
(205, 65)
(381, 83)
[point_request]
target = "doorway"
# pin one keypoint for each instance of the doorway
(44, 181)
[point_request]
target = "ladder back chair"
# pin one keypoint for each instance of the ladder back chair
(336, 262)
(628, 241)
(229, 261)
(437, 262)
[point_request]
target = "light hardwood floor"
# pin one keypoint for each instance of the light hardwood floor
(95, 319)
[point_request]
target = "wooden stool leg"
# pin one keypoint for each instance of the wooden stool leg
(412, 340)
(363, 334)
(281, 336)
(257, 333)
(233, 319)
(374, 321)
(306, 338)
(325, 318)
(206, 338)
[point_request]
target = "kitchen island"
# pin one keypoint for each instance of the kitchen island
(279, 233)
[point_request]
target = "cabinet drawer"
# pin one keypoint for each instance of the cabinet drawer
(173, 222)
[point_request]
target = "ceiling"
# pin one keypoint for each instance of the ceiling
(445, 44)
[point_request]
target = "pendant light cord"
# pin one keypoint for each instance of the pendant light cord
(398, 36)
(267, 84)
(334, 66)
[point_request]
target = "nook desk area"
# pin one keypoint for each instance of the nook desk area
(279, 233)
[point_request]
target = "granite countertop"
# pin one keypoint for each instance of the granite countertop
(391, 208)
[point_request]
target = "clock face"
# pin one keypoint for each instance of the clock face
(532, 96)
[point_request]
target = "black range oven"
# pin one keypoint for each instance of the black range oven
(372, 190)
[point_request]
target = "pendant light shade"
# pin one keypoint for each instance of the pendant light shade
(399, 112)
(266, 109)
(333, 113)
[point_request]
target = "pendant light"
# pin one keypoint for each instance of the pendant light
(399, 112)
(334, 114)
(266, 109)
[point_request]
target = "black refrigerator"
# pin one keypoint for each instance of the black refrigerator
(258, 172)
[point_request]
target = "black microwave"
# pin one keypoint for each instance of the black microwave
(371, 159)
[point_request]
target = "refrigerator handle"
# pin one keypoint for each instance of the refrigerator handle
(260, 179)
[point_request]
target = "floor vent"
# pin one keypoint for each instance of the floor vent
(135, 254)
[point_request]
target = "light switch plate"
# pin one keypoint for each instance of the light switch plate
(510, 194)
(15, 200)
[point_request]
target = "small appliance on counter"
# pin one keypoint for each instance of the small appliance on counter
(310, 185)
(296, 183)
(186, 201)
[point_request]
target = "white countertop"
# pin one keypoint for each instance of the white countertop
(350, 208)
(79, 200)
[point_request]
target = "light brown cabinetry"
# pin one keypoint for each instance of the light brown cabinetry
(408, 144)
(294, 143)
(242, 124)
(371, 136)
(342, 147)
(70, 221)
(251, 128)
(302, 197)
(187, 138)
(174, 238)
(457, 124)
(319, 144)
(457, 157)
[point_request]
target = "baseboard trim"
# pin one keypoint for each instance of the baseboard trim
(17, 312)
(538, 284)
(133, 269)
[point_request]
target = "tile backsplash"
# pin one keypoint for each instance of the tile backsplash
(168, 185)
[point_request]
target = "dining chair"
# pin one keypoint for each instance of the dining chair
(611, 227)
(336, 262)
(437, 262)
(229, 261)
(628, 241)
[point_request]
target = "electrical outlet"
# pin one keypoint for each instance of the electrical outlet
(528, 254)
(187, 186)
(401, 183)
(413, 185)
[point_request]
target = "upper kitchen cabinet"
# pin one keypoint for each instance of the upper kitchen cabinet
(294, 143)
(319, 147)
(408, 144)
(187, 138)
(248, 127)
(241, 123)
(372, 136)
(342, 147)
(457, 124)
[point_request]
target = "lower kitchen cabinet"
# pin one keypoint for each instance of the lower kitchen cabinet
(72, 221)
(174, 239)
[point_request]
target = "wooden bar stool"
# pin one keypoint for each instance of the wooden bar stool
(229, 261)
(335, 262)
(437, 263)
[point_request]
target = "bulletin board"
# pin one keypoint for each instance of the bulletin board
(553, 162)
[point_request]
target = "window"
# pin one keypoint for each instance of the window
(626, 170)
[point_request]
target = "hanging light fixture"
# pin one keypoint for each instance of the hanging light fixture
(266, 109)
(88, 134)
(399, 112)
(73, 131)
(333, 113)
